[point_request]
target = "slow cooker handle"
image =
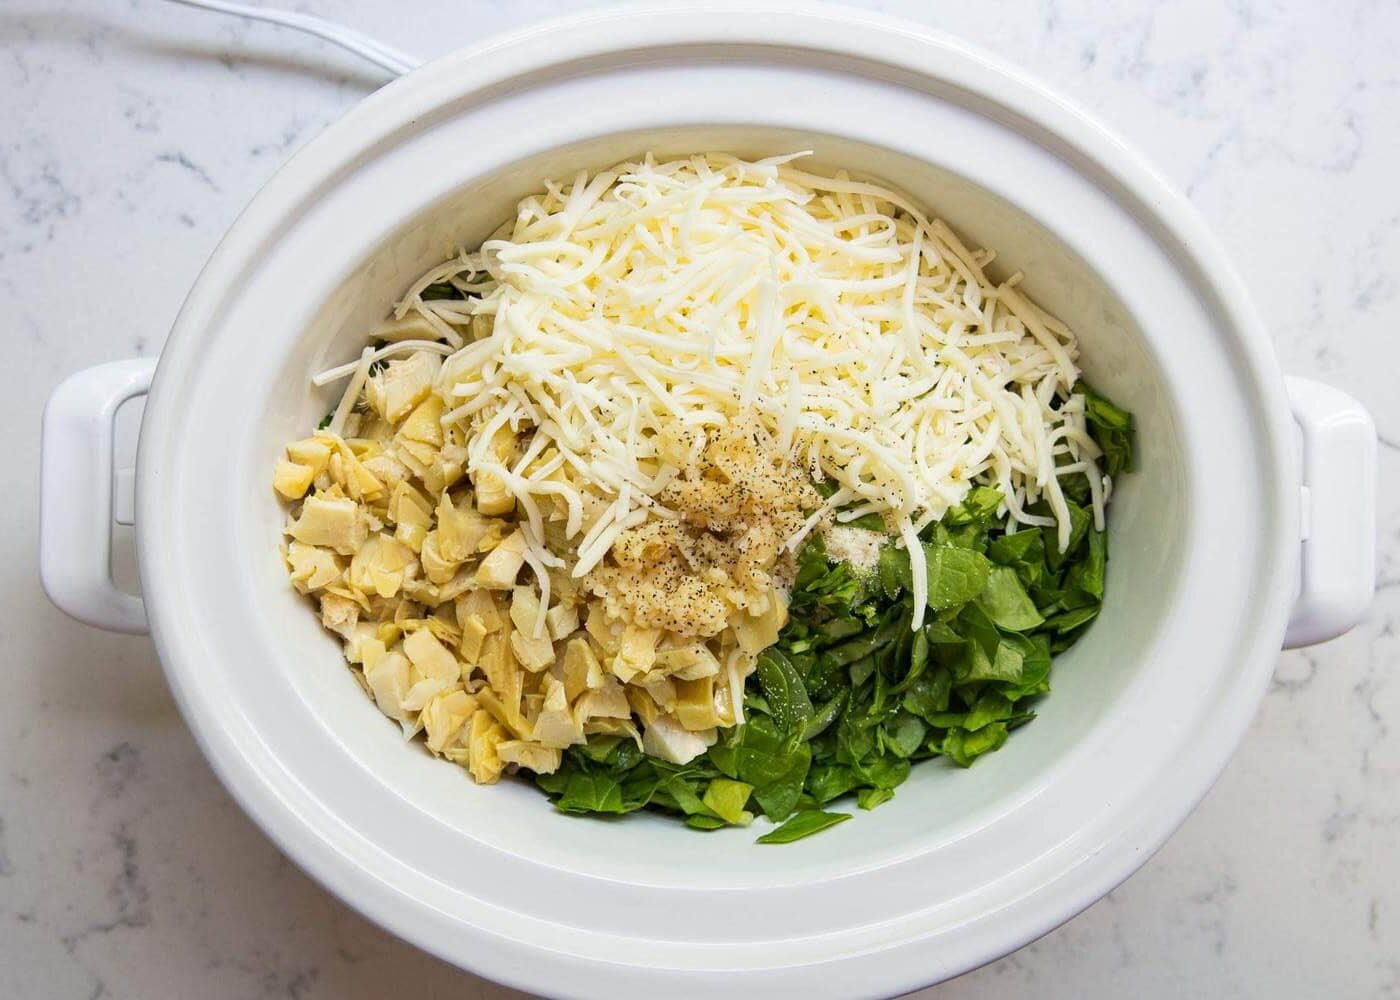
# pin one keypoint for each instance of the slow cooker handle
(1337, 574)
(76, 491)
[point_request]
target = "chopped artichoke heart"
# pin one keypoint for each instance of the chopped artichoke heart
(331, 521)
(757, 633)
(608, 702)
(435, 567)
(388, 678)
(292, 479)
(380, 566)
(688, 662)
(484, 736)
(534, 654)
(666, 738)
(407, 383)
(424, 424)
(580, 666)
(411, 326)
(503, 677)
(524, 609)
(556, 726)
(313, 452)
(474, 633)
(562, 620)
(532, 756)
(312, 568)
(445, 715)
(636, 652)
(695, 704)
(492, 497)
(481, 603)
(431, 657)
(339, 614)
(507, 714)
(461, 530)
(502, 564)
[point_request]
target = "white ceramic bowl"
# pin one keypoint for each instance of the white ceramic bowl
(962, 866)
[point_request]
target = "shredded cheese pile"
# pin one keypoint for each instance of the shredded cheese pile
(621, 314)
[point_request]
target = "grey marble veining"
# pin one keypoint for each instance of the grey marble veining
(132, 133)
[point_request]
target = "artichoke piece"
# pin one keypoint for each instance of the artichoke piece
(531, 756)
(424, 424)
(484, 737)
(757, 632)
(491, 494)
(431, 658)
(437, 569)
(636, 653)
(406, 383)
(312, 568)
(501, 566)
(445, 715)
(461, 530)
(556, 726)
(331, 521)
(474, 632)
(580, 668)
(388, 677)
(292, 479)
(666, 738)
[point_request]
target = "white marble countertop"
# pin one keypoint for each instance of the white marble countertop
(132, 133)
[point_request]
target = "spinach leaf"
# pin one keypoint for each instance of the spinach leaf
(990, 707)
(726, 799)
(869, 522)
(820, 583)
(804, 824)
(441, 290)
(1006, 602)
(1112, 429)
(929, 695)
(678, 794)
(1023, 551)
(758, 755)
(784, 691)
(1071, 620)
(831, 781)
(955, 575)
(965, 747)
(823, 717)
(869, 798)
(584, 792)
(1079, 522)
(1087, 575)
(978, 507)
(905, 734)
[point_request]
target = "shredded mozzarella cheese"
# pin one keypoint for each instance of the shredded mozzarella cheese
(866, 337)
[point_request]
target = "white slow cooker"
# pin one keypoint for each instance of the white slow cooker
(1249, 523)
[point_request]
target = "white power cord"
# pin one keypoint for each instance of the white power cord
(378, 53)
